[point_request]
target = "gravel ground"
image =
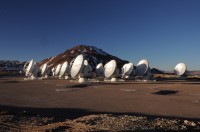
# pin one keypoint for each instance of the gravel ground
(24, 121)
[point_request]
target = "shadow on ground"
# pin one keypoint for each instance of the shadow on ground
(165, 92)
(10, 82)
(61, 114)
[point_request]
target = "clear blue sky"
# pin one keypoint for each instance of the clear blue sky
(165, 32)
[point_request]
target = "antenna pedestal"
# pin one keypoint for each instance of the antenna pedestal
(82, 80)
(125, 77)
(44, 77)
(67, 77)
(31, 78)
(113, 79)
(148, 76)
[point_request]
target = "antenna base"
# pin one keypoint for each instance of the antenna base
(67, 77)
(113, 79)
(82, 80)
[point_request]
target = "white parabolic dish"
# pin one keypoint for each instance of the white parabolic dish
(142, 67)
(180, 69)
(127, 69)
(57, 69)
(63, 68)
(30, 67)
(44, 69)
(110, 68)
(77, 65)
(99, 69)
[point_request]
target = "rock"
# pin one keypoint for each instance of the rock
(182, 127)
(193, 124)
(186, 122)
(99, 122)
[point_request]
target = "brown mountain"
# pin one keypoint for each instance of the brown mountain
(91, 53)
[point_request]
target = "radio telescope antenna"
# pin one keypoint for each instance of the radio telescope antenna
(64, 71)
(77, 68)
(25, 66)
(30, 68)
(143, 70)
(127, 69)
(44, 71)
(99, 69)
(180, 69)
(53, 71)
(87, 70)
(142, 67)
(81, 69)
(110, 70)
(31, 71)
(57, 70)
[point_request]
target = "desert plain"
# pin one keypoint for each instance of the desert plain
(62, 105)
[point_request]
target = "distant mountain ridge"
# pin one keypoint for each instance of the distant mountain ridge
(11, 65)
(156, 71)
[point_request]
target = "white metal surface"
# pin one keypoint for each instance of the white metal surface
(99, 69)
(44, 69)
(142, 67)
(110, 68)
(180, 69)
(57, 69)
(30, 67)
(63, 69)
(77, 65)
(127, 69)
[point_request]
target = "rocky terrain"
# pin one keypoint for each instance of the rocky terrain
(58, 105)
(25, 121)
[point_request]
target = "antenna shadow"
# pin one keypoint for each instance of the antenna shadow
(165, 92)
(61, 114)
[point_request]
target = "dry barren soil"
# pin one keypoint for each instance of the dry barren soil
(61, 105)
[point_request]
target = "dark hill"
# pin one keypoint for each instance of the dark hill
(91, 53)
